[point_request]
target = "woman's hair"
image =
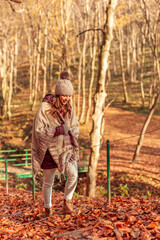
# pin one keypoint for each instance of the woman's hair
(56, 105)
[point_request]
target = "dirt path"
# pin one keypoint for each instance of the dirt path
(122, 129)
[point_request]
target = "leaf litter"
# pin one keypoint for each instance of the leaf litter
(21, 217)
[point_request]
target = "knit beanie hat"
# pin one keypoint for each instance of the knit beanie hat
(64, 85)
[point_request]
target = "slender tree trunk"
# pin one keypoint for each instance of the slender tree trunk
(92, 79)
(44, 64)
(79, 74)
(143, 131)
(30, 54)
(4, 77)
(83, 81)
(84, 67)
(51, 71)
(15, 62)
(38, 52)
(79, 86)
(142, 71)
(10, 82)
(122, 66)
(114, 62)
(153, 84)
(134, 56)
(65, 7)
(99, 99)
(128, 54)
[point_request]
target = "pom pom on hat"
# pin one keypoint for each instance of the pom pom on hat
(64, 75)
(64, 85)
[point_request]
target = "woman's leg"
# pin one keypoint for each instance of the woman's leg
(48, 180)
(72, 177)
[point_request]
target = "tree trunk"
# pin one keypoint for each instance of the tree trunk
(50, 72)
(4, 77)
(142, 71)
(15, 62)
(134, 56)
(99, 99)
(153, 84)
(114, 62)
(38, 53)
(10, 82)
(92, 78)
(44, 64)
(30, 54)
(128, 54)
(122, 66)
(79, 87)
(143, 131)
(83, 80)
(84, 67)
(37, 68)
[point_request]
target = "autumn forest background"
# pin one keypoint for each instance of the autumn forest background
(111, 50)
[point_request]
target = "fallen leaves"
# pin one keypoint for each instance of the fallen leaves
(153, 225)
(125, 218)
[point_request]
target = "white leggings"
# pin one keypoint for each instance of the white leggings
(48, 181)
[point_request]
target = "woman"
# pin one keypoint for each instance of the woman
(54, 142)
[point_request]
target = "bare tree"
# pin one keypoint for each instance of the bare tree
(83, 75)
(122, 65)
(44, 62)
(149, 28)
(99, 98)
(143, 131)
(92, 77)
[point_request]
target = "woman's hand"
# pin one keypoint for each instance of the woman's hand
(66, 128)
(61, 130)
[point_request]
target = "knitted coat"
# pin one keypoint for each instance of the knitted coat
(60, 147)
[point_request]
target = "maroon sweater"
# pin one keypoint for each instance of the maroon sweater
(48, 161)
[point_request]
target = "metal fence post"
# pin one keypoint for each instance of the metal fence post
(108, 173)
(33, 187)
(26, 161)
(1, 165)
(6, 172)
(33, 184)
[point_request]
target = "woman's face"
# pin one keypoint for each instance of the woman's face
(64, 99)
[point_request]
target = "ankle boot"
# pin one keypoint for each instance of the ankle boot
(47, 212)
(68, 207)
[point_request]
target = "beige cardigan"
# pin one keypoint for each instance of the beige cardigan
(43, 138)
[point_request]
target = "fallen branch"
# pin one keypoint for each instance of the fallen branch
(76, 233)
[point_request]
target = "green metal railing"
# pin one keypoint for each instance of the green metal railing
(19, 158)
(25, 160)
(22, 158)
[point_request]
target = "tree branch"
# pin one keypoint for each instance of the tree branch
(108, 104)
(11, 5)
(16, 1)
(91, 29)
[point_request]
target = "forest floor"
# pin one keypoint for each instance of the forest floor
(125, 218)
(134, 212)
